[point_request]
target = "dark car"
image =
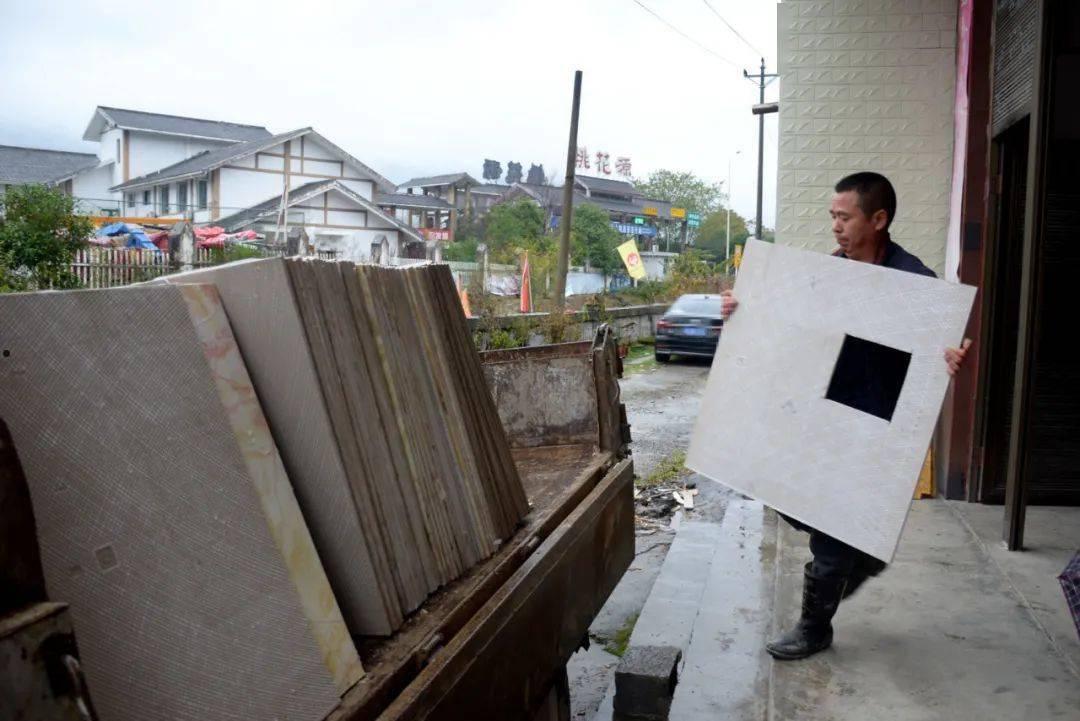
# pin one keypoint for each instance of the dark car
(691, 327)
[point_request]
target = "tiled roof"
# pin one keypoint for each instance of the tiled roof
(36, 165)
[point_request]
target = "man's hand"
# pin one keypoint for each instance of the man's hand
(728, 304)
(954, 357)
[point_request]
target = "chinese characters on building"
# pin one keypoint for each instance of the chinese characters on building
(603, 163)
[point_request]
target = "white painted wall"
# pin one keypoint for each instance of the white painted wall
(363, 188)
(656, 263)
(866, 86)
(354, 245)
(92, 190)
(150, 152)
(242, 188)
(107, 153)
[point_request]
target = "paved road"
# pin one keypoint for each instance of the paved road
(661, 405)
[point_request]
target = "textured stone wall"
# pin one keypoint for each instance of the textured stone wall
(866, 85)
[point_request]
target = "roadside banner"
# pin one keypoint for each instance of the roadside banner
(632, 259)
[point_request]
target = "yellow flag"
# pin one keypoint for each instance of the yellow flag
(737, 260)
(632, 259)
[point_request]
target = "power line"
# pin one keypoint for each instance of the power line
(715, 54)
(732, 29)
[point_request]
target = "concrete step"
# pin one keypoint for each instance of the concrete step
(667, 618)
(725, 672)
(712, 601)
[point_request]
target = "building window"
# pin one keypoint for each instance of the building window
(146, 197)
(131, 200)
(163, 199)
(118, 150)
(181, 197)
(202, 193)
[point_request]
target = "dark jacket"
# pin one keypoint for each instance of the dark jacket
(899, 259)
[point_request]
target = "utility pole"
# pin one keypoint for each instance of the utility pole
(567, 201)
(727, 235)
(761, 110)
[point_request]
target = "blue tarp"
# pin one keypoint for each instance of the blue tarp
(136, 237)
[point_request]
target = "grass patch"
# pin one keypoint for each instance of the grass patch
(639, 358)
(645, 364)
(638, 351)
(616, 645)
(666, 470)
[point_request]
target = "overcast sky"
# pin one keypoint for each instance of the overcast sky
(410, 88)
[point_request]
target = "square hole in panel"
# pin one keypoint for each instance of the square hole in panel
(868, 377)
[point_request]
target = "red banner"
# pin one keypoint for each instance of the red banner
(436, 233)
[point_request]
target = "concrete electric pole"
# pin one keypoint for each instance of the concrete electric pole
(568, 201)
(761, 110)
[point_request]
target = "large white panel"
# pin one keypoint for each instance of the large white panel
(766, 428)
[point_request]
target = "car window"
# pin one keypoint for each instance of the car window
(697, 306)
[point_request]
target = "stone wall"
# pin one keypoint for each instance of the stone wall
(866, 85)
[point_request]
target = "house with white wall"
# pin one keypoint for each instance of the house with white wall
(134, 143)
(78, 174)
(241, 185)
(151, 165)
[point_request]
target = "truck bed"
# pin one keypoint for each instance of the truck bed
(557, 480)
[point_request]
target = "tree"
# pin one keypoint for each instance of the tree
(536, 174)
(39, 234)
(711, 237)
(513, 173)
(492, 170)
(512, 225)
(594, 241)
(461, 250)
(683, 190)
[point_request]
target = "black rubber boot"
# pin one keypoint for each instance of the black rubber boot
(866, 567)
(813, 632)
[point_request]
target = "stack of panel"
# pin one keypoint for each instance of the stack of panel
(164, 513)
(414, 482)
(425, 454)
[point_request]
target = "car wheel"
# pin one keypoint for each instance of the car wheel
(662, 357)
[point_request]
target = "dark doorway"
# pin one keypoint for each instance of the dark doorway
(1033, 305)
(1054, 399)
(1002, 293)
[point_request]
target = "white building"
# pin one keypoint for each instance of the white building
(79, 174)
(240, 185)
(150, 165)
(134, 143)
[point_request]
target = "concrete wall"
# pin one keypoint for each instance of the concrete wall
(630, 323)
(354, 245)
(656, 263)
(866, 85)
(524, 386)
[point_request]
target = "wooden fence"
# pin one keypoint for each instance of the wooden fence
(112, 267)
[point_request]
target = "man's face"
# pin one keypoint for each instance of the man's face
(856, 234)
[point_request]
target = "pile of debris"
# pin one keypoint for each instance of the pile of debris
(659, 502)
